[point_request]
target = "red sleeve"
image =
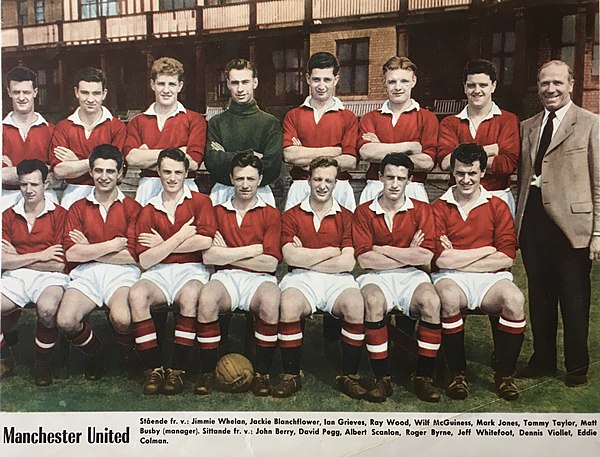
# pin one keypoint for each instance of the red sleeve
(119, 134)
(347, 227)
(196, 136)
(350, 133)
(133, 209)
(7, 225)
(133, 139)
(427, 226)
(272, 235)
(362, 233)
(440, 228)
(289, 227)
(60, 137)
(509, 144)
(74, 222)
(505, 238)
(366, 125)
(60, 222)
(144, 224)
(447, 138)
(205, 220)
(429, 133)
(289, 128)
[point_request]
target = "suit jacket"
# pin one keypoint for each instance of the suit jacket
(570, 174)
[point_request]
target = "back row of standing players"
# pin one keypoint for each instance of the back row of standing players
(319, 129)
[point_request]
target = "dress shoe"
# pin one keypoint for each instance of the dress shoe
(261, 386)
(94, 367)
(380, 391)
(131, 361)
(424, 389)
(350, 385)
(506, 388)
(458, 389)
(205, 383)
(42, 375)
(173, 382)
(576, 380)
(532, 372)
(289, 385)
(155, 379)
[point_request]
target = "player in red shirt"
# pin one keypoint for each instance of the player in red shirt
(75, 137)
(320, 127)
(476, 248)
(482, 122)
(317, 245)
(32, 267)
(400, 125)
(245, 252)
(25, 133)
(172, 231)
(99, 244)
(165, 124)
(394, 237)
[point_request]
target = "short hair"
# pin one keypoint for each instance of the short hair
(399, 63)
(477, 66)
(246, 159)
(240, 64)
(397, 159)
(19, 74)
(322, 162)
(27, 166)
(323, 60)
(106, 152)
(174, 154)
(90, 75)
(557, 62)
(468, 153)
(166, 66)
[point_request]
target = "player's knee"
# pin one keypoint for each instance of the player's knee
(513, 304)
(47, 315)
(353, 312)
(374, 303)
(430, 305)
(138, 298)
(120, 319)
(68, 321)
(289, 311)
(6, 305)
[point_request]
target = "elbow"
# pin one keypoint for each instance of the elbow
(59, 172)
(271, 264)
(145, 262)
(363, 262)
(443, 263)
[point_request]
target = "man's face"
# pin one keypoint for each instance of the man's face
(105, 174)
(322, 182)
(398, 85)
(321, 83)
(245, 182)
(394, 179)
(479, 89)
(468, 178)
(166, 89)
(172, 175)
(22, 95)
(32, 187)
(90, 96)
(241, 84)
(555, 86)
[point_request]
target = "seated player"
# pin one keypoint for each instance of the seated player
(32, 267)
(394, 238)
(165, 124)
(172, 231)
(320, 127)
(476, 248)
(99, 239)
(317, 245)
(245, 252)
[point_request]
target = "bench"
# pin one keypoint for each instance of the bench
(442, 108)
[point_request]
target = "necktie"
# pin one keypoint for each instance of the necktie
(544, 143)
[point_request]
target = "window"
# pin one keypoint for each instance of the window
(567, 40)
(503, 56)
(169, 5)
(23, 12)
(96, 8)
(596, 48)
(39, 12)
(42, 97)
(288, 72)
(353, 56)
(222, 90)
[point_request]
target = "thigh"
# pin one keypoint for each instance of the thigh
(74, 306)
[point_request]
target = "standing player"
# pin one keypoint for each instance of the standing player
(165, 124)
(394, 237)
(32, 267)
(76, 136)
(320, 127)
(25, 133)
(245, 252)
(317, 245)
(172, 231)
(482, 122)
(476, 246)
(243, 126)
(99, 238)
(400, 125)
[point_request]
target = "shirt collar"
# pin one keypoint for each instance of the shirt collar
(484, 197)
(385, 108)
(39, 120)
(92, 197)
(157, 200)
(337, 104)
(495, 111)
(151, 111)
(305, 206)
(377, 209)
(76, 119)
(560, 113)
(228, 204)
(19, 208)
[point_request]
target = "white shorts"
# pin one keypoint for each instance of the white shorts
(321, 290)
(414, 190)
(507, 196)
(171, 277)
(150, 187)
(474, 285)
(99, 281)
(74, 192)
(300, 190)
(25, 285)
(220, 193)
(241, 285)
(398, 285)
(11, 197)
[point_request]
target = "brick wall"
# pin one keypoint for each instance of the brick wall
(591, 91)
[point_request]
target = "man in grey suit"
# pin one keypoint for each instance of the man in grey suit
(558, 222)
